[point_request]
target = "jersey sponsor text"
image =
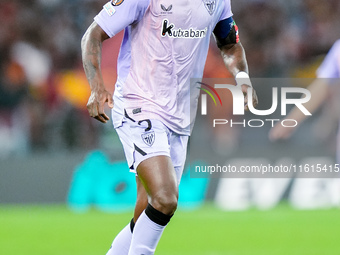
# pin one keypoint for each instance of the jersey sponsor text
(169, 30)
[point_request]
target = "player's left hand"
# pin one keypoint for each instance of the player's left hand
(245, 93)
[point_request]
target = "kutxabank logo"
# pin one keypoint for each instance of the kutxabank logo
(168, 29)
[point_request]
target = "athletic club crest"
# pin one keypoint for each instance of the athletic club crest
(149, 138)
(210, 5)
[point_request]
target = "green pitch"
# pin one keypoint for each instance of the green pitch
(54, 230)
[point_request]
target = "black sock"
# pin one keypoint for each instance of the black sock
(132, 225)
(157, 216)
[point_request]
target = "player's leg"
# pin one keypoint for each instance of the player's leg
(121, 243)
(142, 200)
(159, 179)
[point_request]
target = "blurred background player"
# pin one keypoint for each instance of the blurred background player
(162, 49)
(328, 74)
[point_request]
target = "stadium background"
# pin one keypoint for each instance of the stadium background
(46, 134)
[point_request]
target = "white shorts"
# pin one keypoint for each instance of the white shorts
(148, 138)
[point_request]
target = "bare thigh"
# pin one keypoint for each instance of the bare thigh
(159, 180)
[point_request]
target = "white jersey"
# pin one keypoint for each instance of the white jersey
(165, 44)
(330, 67)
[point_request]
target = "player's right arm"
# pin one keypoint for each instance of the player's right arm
(91, 47)
(113, 18)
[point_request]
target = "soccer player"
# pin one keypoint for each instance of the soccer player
(165, 44)
(328, 73)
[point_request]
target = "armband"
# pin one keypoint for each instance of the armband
(226, 32)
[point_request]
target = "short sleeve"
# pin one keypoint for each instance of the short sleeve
(115, 17)
(330, 67)
(226, 13)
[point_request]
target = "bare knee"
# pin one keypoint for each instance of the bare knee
(159, 179)
(165, 202)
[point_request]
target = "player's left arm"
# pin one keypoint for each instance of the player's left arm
(233, 54)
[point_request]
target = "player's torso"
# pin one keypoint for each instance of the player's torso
(169, 46)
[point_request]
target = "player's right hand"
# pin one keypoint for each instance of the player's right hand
(96, 104)
(279, 132)
(255, 100)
